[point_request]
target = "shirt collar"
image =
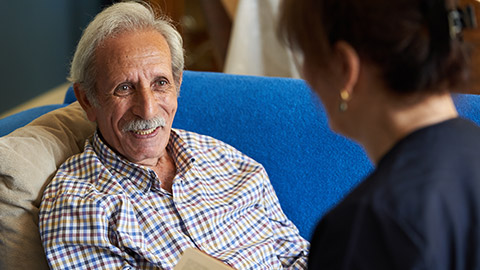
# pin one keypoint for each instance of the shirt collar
(143, 177)
(181, 151)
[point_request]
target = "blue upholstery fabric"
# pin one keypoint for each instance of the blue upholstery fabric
(69, 96)
(12, 122)
(279, 123)
(468, 106)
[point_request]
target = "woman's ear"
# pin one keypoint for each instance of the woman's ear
(82, 98)
(348, 65)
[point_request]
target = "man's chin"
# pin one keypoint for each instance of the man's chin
(146, 151)
(145, 159)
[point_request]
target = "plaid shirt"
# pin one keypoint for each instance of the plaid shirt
(104, 212)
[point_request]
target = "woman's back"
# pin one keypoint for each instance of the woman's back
(418, 210)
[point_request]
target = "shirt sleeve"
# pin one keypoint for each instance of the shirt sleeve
(75, 234)
(291, 248)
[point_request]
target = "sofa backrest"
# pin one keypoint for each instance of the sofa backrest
(279, 123)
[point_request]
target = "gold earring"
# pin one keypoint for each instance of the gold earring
(344, 96)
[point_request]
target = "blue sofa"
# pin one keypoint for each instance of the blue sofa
(278, 122)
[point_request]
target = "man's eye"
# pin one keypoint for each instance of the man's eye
(161, 85)
(123, 89)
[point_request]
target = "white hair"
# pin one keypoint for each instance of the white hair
(119, 18)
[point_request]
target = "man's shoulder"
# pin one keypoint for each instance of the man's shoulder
(80, 164)
(199, 143)
(214, 148)
(76, 175)
(197, 140)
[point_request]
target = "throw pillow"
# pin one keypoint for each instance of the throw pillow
(29, 158)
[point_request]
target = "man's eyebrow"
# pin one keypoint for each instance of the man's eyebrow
(161, 77)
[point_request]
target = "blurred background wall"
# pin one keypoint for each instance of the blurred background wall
(37, 41)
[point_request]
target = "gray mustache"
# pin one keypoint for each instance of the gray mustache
(141, 124)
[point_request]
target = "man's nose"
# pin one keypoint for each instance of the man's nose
(145, 103)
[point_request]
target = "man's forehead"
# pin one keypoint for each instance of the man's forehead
(134, 48)
(131, 56)
(134, 41)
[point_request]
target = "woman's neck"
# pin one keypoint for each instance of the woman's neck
(394, 120)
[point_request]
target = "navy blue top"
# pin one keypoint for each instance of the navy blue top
(419, 209)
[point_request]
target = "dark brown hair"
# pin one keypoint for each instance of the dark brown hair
(409, 40)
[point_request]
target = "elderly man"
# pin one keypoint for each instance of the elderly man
(142, 192)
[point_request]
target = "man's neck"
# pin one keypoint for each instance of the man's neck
(166, 171)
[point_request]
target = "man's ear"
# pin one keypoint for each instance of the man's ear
(180, 79)
(87, 106)
(349, 65)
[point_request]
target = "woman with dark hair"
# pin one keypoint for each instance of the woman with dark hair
(383, 71)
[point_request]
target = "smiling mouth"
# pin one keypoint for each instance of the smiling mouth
(142, 127)
(144, 131)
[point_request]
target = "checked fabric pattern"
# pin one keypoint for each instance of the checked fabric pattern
(103, 212)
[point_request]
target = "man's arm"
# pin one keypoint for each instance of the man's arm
(291, 248)
(75, 235)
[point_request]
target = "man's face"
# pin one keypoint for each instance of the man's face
(135, 82)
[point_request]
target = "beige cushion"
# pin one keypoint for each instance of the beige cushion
(29, 157)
